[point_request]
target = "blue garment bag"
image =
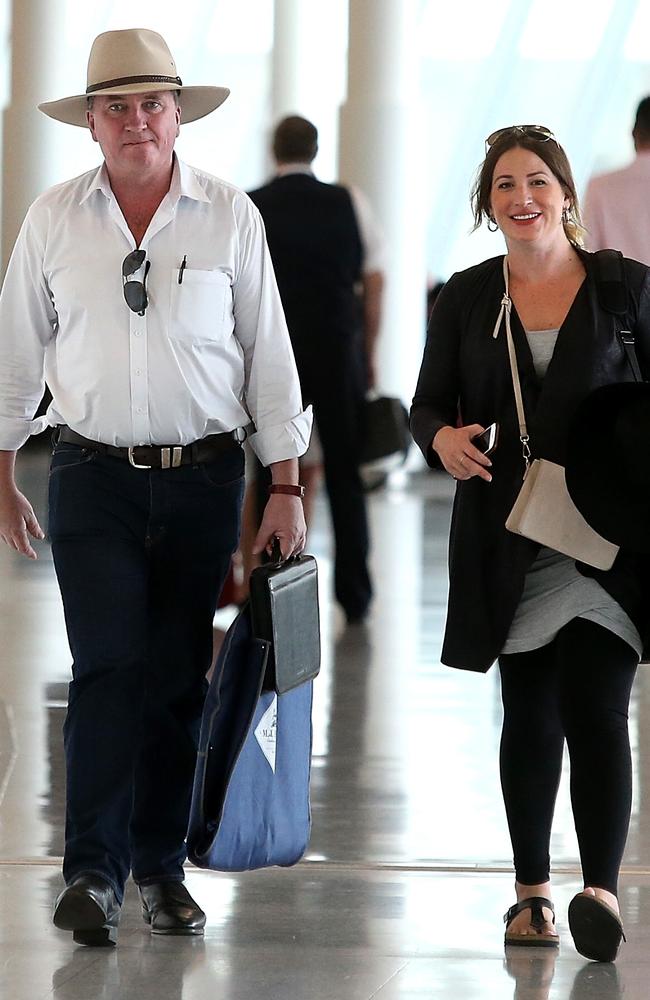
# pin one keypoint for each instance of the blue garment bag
(250, 801)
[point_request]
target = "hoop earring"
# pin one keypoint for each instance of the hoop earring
(491, 224)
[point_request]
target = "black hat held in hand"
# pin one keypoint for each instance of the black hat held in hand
(607, 467)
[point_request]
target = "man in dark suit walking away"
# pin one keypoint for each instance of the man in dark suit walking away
(326, 251)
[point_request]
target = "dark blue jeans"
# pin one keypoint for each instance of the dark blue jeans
(140, 556)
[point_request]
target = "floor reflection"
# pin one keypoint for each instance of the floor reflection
(532, 970)
(408, 870)
(53, 804)
(597, 981)
(131, 973)
(346, 805)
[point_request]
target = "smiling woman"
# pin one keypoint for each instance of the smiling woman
(567, 643)
(527, 200)
(548, 166)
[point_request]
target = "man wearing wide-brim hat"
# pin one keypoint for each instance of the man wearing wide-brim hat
(143, 295)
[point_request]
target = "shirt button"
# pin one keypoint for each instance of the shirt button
(137, 333)
(141, 409)
(138, 371)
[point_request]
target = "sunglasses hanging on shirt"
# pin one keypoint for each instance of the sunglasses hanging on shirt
(135, 291)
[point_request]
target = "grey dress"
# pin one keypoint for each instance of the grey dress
(554, 591)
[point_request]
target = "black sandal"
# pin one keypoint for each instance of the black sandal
(596, 928)
(541, 938)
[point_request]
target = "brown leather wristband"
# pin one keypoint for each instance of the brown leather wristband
(294, 491)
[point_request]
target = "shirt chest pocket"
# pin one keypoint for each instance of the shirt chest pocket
(200, 306)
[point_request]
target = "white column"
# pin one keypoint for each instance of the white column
(290, 49)
(26, 132)
(308, 70)
(381, 126)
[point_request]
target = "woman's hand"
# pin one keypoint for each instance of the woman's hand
(458, 455)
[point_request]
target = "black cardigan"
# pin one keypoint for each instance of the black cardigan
(465, 369)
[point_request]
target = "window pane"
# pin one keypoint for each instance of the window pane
(461, 31)
(569, 31)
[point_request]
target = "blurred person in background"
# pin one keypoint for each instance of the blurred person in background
(327, 252)
(617, 204)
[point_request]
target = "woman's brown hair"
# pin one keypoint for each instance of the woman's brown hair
(555, 159)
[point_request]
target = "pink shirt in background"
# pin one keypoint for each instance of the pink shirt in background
(616, 210)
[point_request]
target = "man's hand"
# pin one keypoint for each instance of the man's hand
(18, 521)
(283, 518)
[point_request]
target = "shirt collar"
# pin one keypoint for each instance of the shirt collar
(98, 182)
(284, 169)
(184, 183)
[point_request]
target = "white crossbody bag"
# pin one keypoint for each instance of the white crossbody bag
(543, 510)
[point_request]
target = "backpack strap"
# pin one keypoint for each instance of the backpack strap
(627, 340)
(611, 281)
(613, 296)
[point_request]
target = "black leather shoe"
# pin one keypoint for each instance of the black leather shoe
(170, 909)
(89, 908)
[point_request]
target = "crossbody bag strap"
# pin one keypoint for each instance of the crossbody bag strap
(504, 312)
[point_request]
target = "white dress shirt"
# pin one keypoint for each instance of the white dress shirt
(210, 354)
(617, 210)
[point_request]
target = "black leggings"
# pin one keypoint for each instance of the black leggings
(575, 688)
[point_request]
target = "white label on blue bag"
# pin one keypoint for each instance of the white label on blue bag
(267, 732)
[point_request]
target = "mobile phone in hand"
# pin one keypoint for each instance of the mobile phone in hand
(487, 440)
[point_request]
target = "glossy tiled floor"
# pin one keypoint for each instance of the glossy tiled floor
(408, 873)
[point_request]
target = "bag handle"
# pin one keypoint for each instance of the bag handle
(276, 554)
(505, 311)
(276, 551)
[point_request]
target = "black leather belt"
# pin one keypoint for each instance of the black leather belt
(160, 456)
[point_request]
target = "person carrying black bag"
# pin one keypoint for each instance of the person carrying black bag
(144, 293)
(567, 636)
(327, 254)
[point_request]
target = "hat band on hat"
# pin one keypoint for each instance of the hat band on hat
(124, 80)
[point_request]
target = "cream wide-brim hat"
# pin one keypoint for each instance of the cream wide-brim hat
(133, 61)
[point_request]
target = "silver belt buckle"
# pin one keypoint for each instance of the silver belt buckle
(133, 462)
(171, 458)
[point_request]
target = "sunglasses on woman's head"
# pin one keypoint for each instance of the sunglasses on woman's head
(538, 132)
